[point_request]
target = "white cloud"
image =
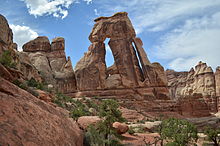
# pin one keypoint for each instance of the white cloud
(88, 1)
(187, 31)
(57, 8)
(157, 15)
(22, 34)
(197, 39)
(96, 12)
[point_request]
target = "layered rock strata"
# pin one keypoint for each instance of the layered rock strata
(200, 80)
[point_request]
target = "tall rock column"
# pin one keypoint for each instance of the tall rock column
(154, 73)
(217, 86)
(126, 62)
(90, 70)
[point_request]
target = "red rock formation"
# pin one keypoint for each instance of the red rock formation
(217, 86)
(24, 69)
(217, 81)
(6, 36)
(41, 43)
(126, 73)
(90, 70)
(26, 120)
(193, 106)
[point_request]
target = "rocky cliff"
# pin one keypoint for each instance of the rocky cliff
(201, 80)
(25, 119)
(50, 60)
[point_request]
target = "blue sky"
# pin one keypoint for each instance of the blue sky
(176, 33)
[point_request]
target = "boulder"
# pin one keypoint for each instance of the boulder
(41, 43)
(85, 121)
(121, 128)
(26, 120)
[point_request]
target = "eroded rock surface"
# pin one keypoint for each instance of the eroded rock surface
(200, 80)
(6, 36)
(50, 60)
(26, 120)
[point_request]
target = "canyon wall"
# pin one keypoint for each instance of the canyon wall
(201, 80)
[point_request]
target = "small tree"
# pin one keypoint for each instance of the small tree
(7, 60)
(110, 113)
(178, 132)
(213, 135)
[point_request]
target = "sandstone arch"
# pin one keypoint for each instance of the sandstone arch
(91, 71)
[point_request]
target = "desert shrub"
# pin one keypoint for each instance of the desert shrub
(109, 112)
(33, 83)
(62, 100)
(20, 84)
(25, 87)
(178, 132)
(213, 135)
(7, 60)
(131, 130)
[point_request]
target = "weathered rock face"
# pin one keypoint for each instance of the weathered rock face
(217, 81)
(24, 69)
(153, 73)
(6, 36)
(41, 43)
(91, 72)
(26, 120)
(50, 61)
(198, 81)
(193, 106)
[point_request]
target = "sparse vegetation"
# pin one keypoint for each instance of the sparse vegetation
(7, 60)
(213, 135)
(33, 83)
(109, 112)
(131, 130)
(178, 132)
(25, 87)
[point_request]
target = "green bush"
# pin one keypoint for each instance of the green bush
(178, 132)
(109, 112)
(213, 135)
(25, 87)
(20, 84)
(33, 83)
(131, 130)
(7, 60)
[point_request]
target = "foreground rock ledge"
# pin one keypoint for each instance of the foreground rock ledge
(26, 120)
